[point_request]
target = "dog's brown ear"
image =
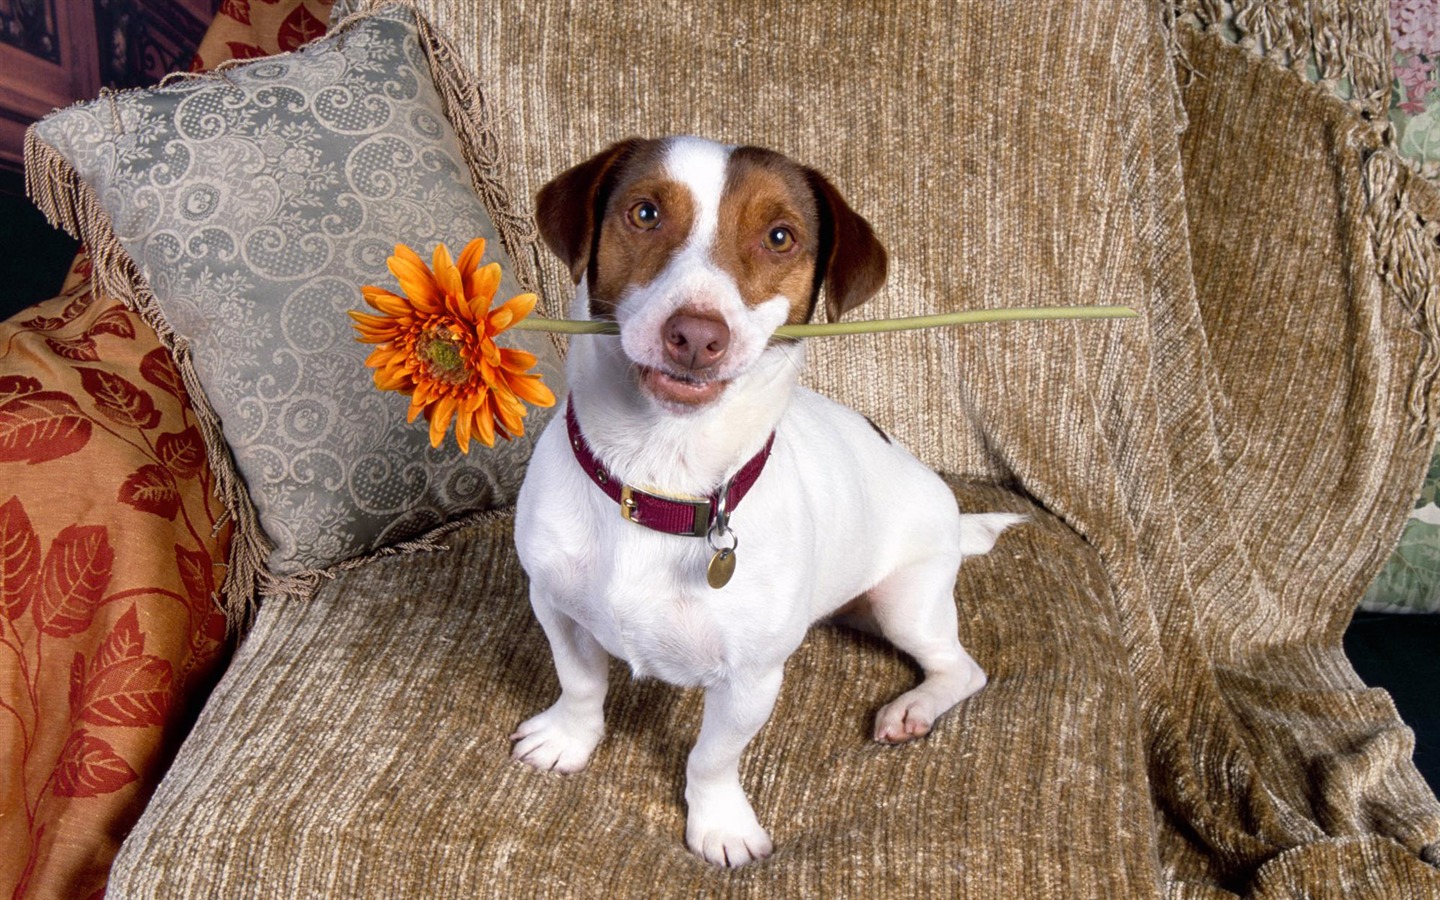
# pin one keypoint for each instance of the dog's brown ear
(853, 261)
(568, 208)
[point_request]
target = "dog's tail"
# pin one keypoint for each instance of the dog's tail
(979, 531)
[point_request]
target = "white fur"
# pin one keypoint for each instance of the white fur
(838, 513)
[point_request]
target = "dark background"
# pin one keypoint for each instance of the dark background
(123, 44)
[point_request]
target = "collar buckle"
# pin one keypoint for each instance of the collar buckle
(632, 500)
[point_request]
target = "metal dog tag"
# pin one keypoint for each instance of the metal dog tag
(722, 564)
(721, 568)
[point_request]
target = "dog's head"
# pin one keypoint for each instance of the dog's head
(700, 251)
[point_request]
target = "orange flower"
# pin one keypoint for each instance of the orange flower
(436, 344)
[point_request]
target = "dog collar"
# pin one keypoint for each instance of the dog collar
(671, 515)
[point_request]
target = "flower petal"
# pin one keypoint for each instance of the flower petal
(485, 424)
(416, 279)
(509, 412)
(440, 258)
(440, 415)
(388, 379)
(373, 329)
(447, 276)
(489, 352)
(520, 306)
(387, 302)
(463, 423)
(516, 360)
(480, 288)
(470, 258)
(532, 390)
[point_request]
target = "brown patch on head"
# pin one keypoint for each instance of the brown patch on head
(783, 229)
(582, 216)
(647, 218)
(768, 197)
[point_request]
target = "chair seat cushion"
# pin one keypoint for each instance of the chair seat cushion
(358, 746)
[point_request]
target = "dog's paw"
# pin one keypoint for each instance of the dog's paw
(904, 719)
(731, 841)
(913, 713)
(554, 742)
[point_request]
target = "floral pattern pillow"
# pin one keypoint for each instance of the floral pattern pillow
(1415, 35)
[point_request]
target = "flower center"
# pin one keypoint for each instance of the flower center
(440, 349)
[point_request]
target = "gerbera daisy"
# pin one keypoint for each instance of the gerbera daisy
(436, 344)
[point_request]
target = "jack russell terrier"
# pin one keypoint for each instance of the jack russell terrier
(693, 510)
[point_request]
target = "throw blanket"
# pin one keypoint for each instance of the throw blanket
(1241, 459)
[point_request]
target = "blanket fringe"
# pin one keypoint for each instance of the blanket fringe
(1407, 253)
(1346, 42)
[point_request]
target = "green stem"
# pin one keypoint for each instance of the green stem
(870, 326)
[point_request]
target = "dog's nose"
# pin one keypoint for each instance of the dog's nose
(696, 342)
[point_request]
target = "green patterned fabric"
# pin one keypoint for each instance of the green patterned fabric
(254, 204)
(1410, 581)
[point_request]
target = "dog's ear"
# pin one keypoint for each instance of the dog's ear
(852, 261)
(568, 209)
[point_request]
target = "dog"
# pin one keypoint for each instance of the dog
(692, 510)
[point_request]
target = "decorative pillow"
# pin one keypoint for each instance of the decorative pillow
(241, 212)
(109, 635)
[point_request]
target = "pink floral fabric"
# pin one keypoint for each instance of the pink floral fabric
(1415, 112)
(1415, 33)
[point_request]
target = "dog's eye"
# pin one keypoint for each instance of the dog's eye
(779, 240)
(644, 215)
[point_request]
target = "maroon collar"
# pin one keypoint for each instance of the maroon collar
(692, 518)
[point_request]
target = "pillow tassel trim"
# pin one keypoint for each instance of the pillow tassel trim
(68, 203)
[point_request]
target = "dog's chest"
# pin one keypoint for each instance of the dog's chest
(665, 622)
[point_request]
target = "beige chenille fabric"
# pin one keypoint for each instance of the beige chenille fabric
(1211, 487)
(358, 749)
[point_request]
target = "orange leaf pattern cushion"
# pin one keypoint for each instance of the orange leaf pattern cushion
(109, 633)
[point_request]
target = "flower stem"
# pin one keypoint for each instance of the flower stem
(869, 326)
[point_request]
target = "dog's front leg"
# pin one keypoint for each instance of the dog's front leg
(562, 737)
(720, 824)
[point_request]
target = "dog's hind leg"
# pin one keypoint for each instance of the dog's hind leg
(562, 737)
(914, 609)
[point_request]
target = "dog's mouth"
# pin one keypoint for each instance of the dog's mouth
(681, 390)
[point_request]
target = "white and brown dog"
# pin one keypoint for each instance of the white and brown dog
(631, 519)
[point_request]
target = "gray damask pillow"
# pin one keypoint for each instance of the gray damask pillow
(254, 203)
